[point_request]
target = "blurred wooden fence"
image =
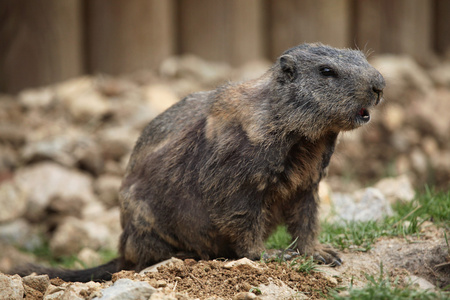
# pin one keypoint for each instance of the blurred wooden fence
(44, 41)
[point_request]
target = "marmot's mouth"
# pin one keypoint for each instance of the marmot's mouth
(363, 115)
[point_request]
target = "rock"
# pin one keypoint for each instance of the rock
(56, 148)
(241, 262)
(404, 76)
(116, 142)
(11, 257)
(36, 98)
(13, 201)
(244, 296)
(364, 205)
(46, 181)
(396, 189)
(12, 134)
(193, 67)
(8, 159)
(251, 70)
(88, 106)
(325, 196)
(90, 157)
(422, 283)
(11, 287)
(37, 282)
(81, 99)
(126, 289)
(423, 113)
(159, 97)
(54, 292)
(21, 234)
(154, 268)
(75, 234)
(441, 75)
(71, 291)
(278, 291)
(419, 161)
(89, 258)
(161, 295)
(394, 117)
(107, 188)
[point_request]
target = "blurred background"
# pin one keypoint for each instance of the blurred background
(80, 79)
(46, 41)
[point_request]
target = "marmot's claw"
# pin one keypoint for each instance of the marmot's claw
(326, 255)
(320, 259)
(336, 263)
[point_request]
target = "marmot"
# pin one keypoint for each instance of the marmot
(214, 174)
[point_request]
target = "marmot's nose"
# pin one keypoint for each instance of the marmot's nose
(379, 93)
(378, 85)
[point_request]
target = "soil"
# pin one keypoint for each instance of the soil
(204, 279)
(426, 256)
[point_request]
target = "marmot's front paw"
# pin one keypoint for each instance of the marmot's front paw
(326, 254)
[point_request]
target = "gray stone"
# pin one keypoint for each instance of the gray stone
(20, 233)
(168, 262)
(422, 283)
(116, 142)
(75, 234)
(13, 200)
(36, 98)
(82, 100)
(244, 296)
(241, 262)
(71, 291)
(278, 291)
(364, 205)
(107, 188)
(56, 148)
(404, 75)
(11, 287)
(11, 257)
(37, 282)
(396, 189)
(126, 289)
(46, 181)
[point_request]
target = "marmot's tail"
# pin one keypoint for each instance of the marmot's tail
(100, 273)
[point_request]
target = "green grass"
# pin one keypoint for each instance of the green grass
(383, 287)
(280, 239)
(303, 264)
(45, 254)
(429, 205)
(360, 236)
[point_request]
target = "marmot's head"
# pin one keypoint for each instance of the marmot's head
(325, 89)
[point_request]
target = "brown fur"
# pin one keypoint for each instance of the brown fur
(218, 171)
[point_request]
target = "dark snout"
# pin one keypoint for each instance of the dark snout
(378, 85)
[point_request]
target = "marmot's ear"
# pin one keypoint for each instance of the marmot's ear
(287, 64)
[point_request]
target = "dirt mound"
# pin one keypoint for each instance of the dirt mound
(206, 279)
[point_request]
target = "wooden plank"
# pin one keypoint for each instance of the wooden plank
(407, 28)
(399, 27)
(222, 30)
(367, 25)
(442, 27)
(293, 22)
(125, 36)
(41, 42)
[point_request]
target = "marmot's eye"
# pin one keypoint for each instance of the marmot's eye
(327, 71)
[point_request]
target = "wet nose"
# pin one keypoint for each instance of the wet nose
(377, 88)
(379, 93)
